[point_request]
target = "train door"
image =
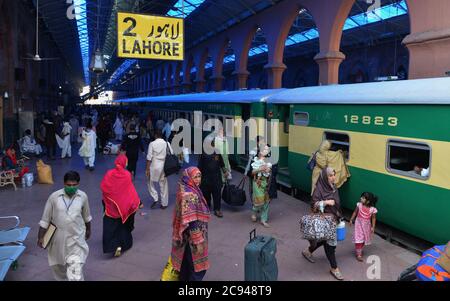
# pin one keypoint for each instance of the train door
(278, 137)
(246, 114)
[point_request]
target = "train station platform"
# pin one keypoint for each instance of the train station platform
(153, 230)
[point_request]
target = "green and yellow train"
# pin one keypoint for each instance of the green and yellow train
(385, 129)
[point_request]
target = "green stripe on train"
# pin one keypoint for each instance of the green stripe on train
(405, 205)
(414, 121)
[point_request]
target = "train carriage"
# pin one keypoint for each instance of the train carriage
(385, 130)
(231, 105)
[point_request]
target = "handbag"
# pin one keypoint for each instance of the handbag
(171, 163)
(169, 273)
(234, 195)
(318, 227)
(312, 162)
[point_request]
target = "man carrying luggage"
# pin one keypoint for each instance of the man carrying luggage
(211, 166)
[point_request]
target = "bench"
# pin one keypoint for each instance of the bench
(7, 178)
(11, 245)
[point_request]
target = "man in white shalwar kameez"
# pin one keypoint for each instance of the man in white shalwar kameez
(64, 142)
(67, 209)
(156, 157)
(29, 144)
(88, 148)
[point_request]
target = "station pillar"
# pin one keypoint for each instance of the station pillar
(241, 78)
(329, 63)
(275, 75)
(218, 82)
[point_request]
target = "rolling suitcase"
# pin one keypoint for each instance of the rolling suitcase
(260, 261)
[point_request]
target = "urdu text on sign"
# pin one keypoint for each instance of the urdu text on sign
(150, 37)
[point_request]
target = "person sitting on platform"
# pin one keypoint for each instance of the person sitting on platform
(29, 144)
(9, 162)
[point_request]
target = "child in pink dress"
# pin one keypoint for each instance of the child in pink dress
(365, 214)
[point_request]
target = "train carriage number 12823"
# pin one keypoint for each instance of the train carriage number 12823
(370, 120)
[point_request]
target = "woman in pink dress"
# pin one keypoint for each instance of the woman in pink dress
(365, 214)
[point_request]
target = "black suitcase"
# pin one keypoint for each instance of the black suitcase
(260, 261)
(234, 195)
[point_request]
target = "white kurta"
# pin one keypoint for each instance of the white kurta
(69, 215)
(157, 155)
(64, 143)
(89, 145)
(29, 145)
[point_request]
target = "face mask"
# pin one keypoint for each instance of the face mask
(70, 190)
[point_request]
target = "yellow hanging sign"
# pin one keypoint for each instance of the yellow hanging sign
(150, 37)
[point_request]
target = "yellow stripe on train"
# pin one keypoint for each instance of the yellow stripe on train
(369, 151)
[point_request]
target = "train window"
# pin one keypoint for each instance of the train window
(301, 118)
(339, 141)
(411, 159)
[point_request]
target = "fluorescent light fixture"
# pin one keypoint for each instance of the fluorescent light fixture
(189, 7)
(83, 35)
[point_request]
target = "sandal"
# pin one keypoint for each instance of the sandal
(254, 218)
(308, 256)
(218, 213)
(337, 275)
(359, 258)
(266, 225)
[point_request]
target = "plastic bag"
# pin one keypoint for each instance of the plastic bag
(169, 273)
(44, 172)
(29, 178)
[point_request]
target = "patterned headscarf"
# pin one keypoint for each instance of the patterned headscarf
(190, 204)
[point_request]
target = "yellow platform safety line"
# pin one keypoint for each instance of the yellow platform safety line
(368, 151)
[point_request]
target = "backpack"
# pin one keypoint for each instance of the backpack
(428, 269)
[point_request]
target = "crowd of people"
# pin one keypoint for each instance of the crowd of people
(199, 191)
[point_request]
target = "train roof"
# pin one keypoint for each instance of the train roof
(242, 96)
(420, 91)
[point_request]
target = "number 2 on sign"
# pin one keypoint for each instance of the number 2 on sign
(369, 120)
